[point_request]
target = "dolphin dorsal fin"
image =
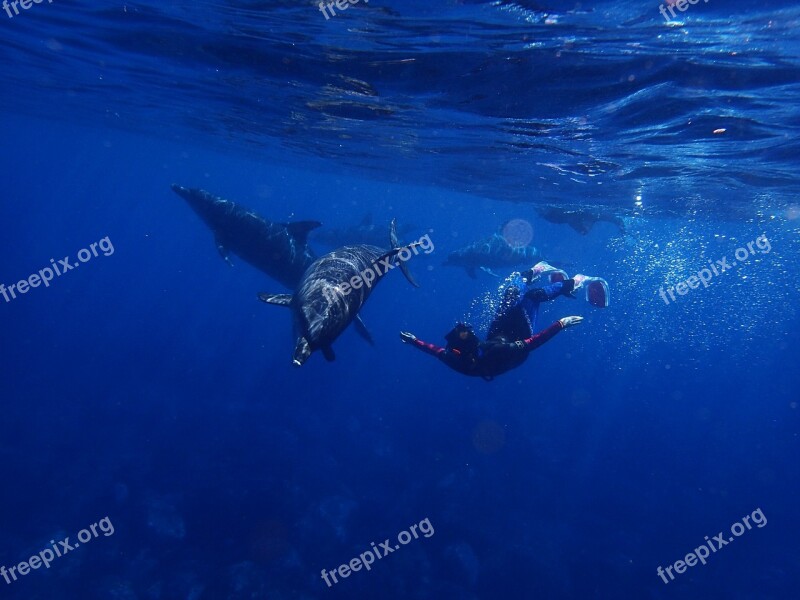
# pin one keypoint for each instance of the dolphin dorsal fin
(300, 229)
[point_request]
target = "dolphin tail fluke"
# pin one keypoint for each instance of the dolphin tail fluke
(301, 229)
(276, 299)
(396, 246)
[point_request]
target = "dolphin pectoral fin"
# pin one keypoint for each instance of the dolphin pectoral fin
(223, 252)
(363, 331)
(327, 352)
(489, 271)
(301, 229)
(276, 299)
(301, 352)
(471, 272)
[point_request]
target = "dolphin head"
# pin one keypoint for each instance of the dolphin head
(454, 259)
(301, 352)
(200, 201)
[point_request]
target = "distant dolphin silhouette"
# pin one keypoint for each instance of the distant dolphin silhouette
(277, 249)
(366, 232)
(580, 219)
(329, 296)
(492, 253)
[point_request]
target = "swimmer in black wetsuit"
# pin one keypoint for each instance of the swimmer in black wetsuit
(511, 338)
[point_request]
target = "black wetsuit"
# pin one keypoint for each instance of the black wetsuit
(510, 338)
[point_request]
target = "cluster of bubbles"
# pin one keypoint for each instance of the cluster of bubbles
(661, 254)
(482, 309)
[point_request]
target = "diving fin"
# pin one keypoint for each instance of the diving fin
(327, 352)
(596, 290)
(551, 274)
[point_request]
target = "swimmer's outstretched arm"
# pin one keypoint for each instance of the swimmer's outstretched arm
(533, 342)
(410, 338)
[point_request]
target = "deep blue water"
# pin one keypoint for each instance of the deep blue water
(151, 387)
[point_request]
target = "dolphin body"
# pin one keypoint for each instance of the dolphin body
(580, 219)
(493, 252)
(278, 249)
(366, 232)
(321, 310)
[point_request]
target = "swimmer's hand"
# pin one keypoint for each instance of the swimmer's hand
(407, 338)
(570, 321)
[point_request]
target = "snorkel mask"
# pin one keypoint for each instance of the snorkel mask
(462, 339)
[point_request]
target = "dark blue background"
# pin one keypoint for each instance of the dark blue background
(152, 387)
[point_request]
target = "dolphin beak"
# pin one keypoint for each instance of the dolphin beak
(301, 352)
(181, 191)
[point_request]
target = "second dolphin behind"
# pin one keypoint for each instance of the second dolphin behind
(278, 249)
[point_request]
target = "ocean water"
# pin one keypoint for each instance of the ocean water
(158, 444)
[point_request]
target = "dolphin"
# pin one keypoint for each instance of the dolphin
(493, 252)
(277, 249)
(333, 290)
(366, 232)
(580, 219)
